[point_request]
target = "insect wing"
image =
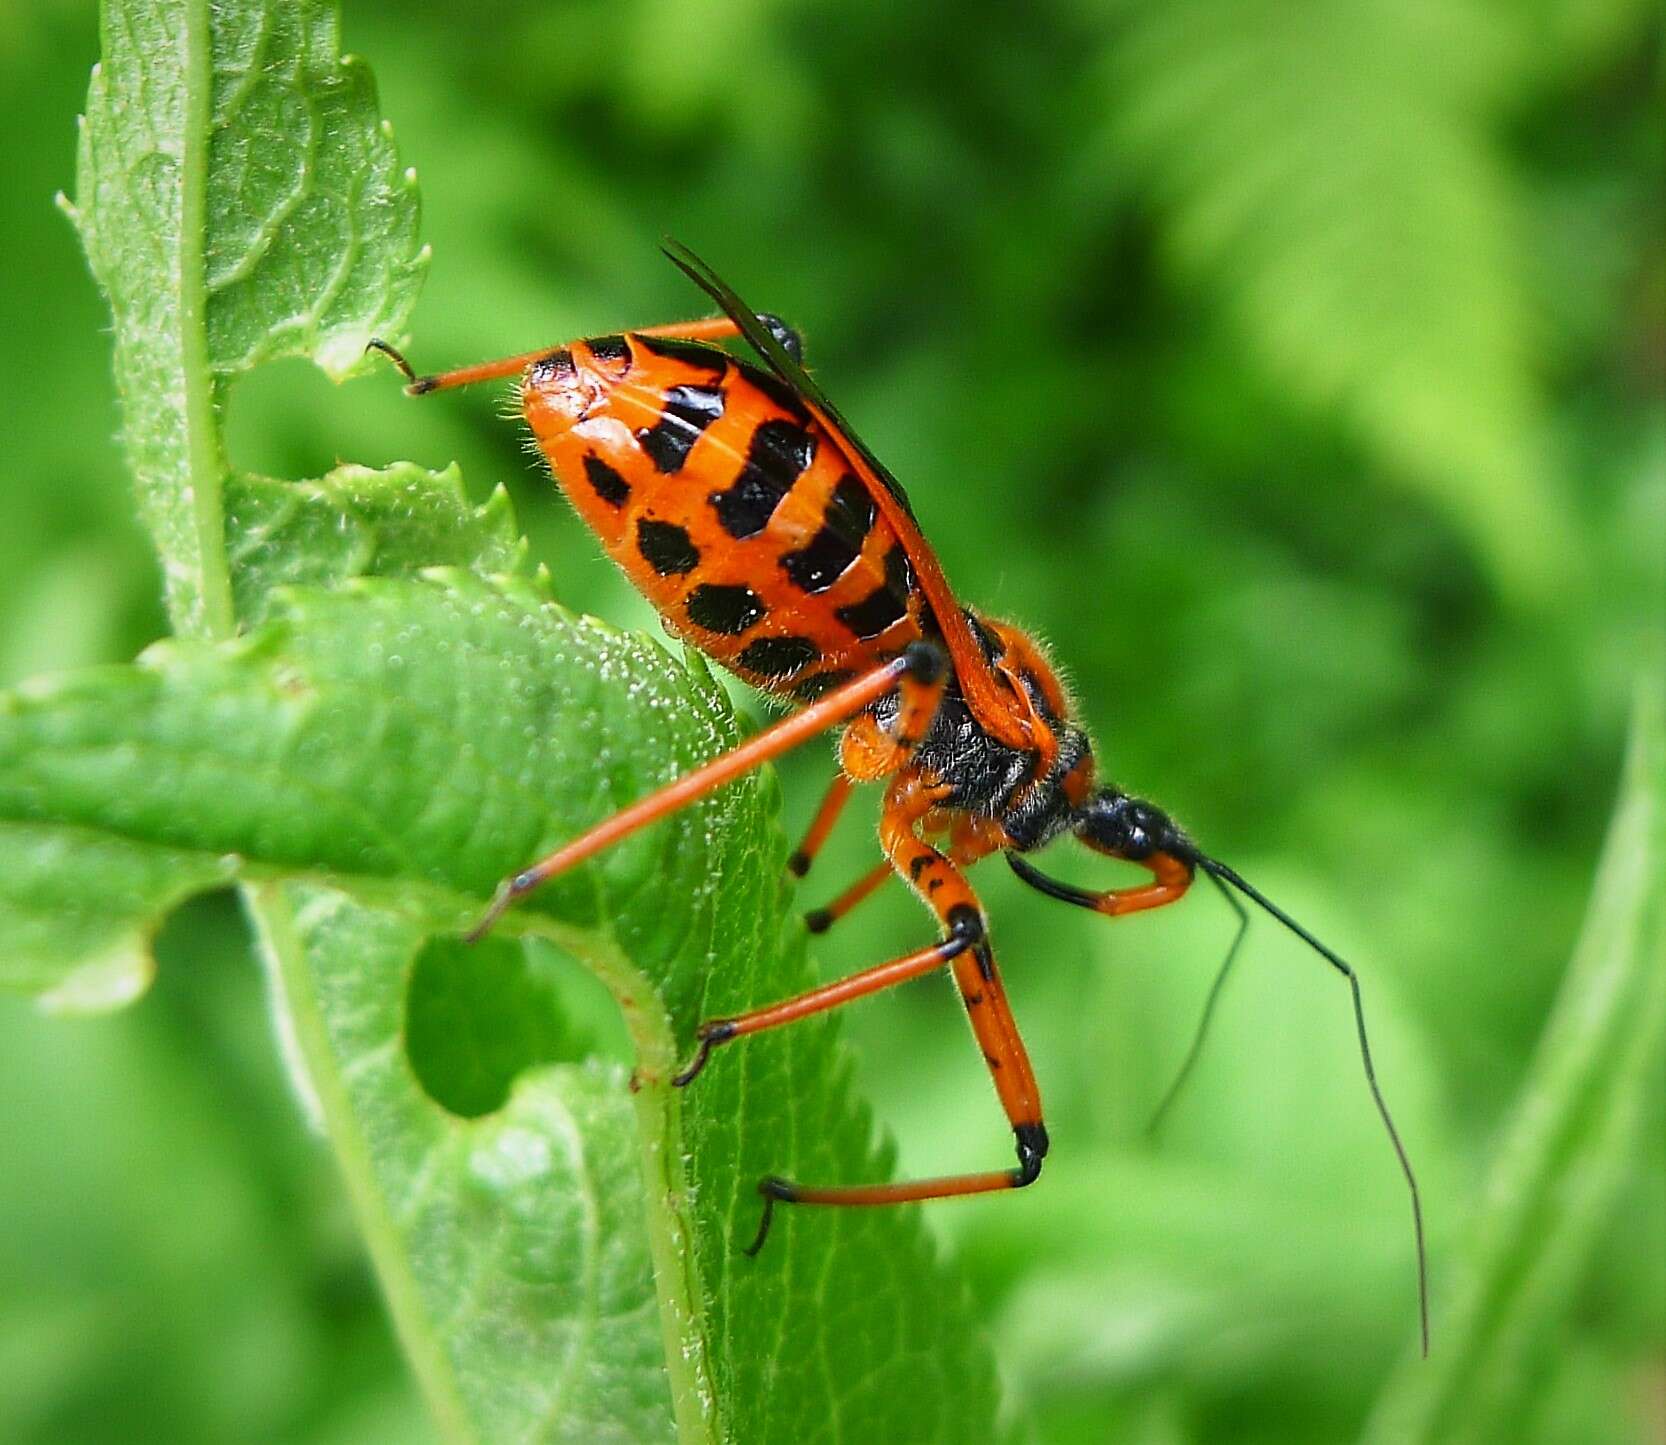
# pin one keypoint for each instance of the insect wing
(781, 363)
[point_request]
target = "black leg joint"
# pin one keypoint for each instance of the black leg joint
(966, 930)
(799, 864)
(1032, 1149)
(710, 1034)
(926, 661)
(965, 925)
(818, 920)
(787, 337)
(772, 1188)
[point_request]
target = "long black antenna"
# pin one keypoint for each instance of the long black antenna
(1198, 1038)
(1224, 874)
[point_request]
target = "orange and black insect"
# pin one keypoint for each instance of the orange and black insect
(739, 502)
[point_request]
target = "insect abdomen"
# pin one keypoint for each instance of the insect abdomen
(727, 506)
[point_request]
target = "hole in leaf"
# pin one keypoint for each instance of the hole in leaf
(476, 1016)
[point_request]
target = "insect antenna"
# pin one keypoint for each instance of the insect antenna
(1224, 875)
(1208, 1015)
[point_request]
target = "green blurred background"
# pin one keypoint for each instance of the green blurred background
(1295, 369)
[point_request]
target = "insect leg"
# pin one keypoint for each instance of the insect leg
(838, 794)
(819, 920)
(722, 328)
(946, 891)
(463, 376)
(920, 667)
(859, 985)
(719, 328)
(1171, 876)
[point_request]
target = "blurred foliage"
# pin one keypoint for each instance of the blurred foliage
(1297, 370)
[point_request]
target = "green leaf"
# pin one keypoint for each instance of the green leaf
(1568, 1147)
(1329, 169)
(403, 743)
(78, 913)
(511, 1245)
(559, 1252)
(357, 522)
(239, 200)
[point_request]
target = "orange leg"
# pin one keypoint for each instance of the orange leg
(921, 668)
(965, 947)
(819, 920)
(801, 1006)
(463, 376)
(838, 794)
(723, 328)
(710, 328)
(1172, 877)
(719, 328)
(944, 889)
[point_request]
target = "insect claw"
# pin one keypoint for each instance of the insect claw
(710, 1034)
(772, 1189)
(495, 910)
(394, 355)
(685, 1077)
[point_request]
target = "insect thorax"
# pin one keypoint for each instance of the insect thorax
(1019, 788)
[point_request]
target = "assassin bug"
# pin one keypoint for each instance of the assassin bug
(739, 502)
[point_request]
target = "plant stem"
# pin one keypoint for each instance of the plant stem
(212, 616)
(204, 456)
(292, 982)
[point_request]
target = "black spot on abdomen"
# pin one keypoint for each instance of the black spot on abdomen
(886, 604)
(778, 656)
(729, 610)
(605, 482)
(688, 411)
(666, 547)
(825, 558)
(778, 454)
